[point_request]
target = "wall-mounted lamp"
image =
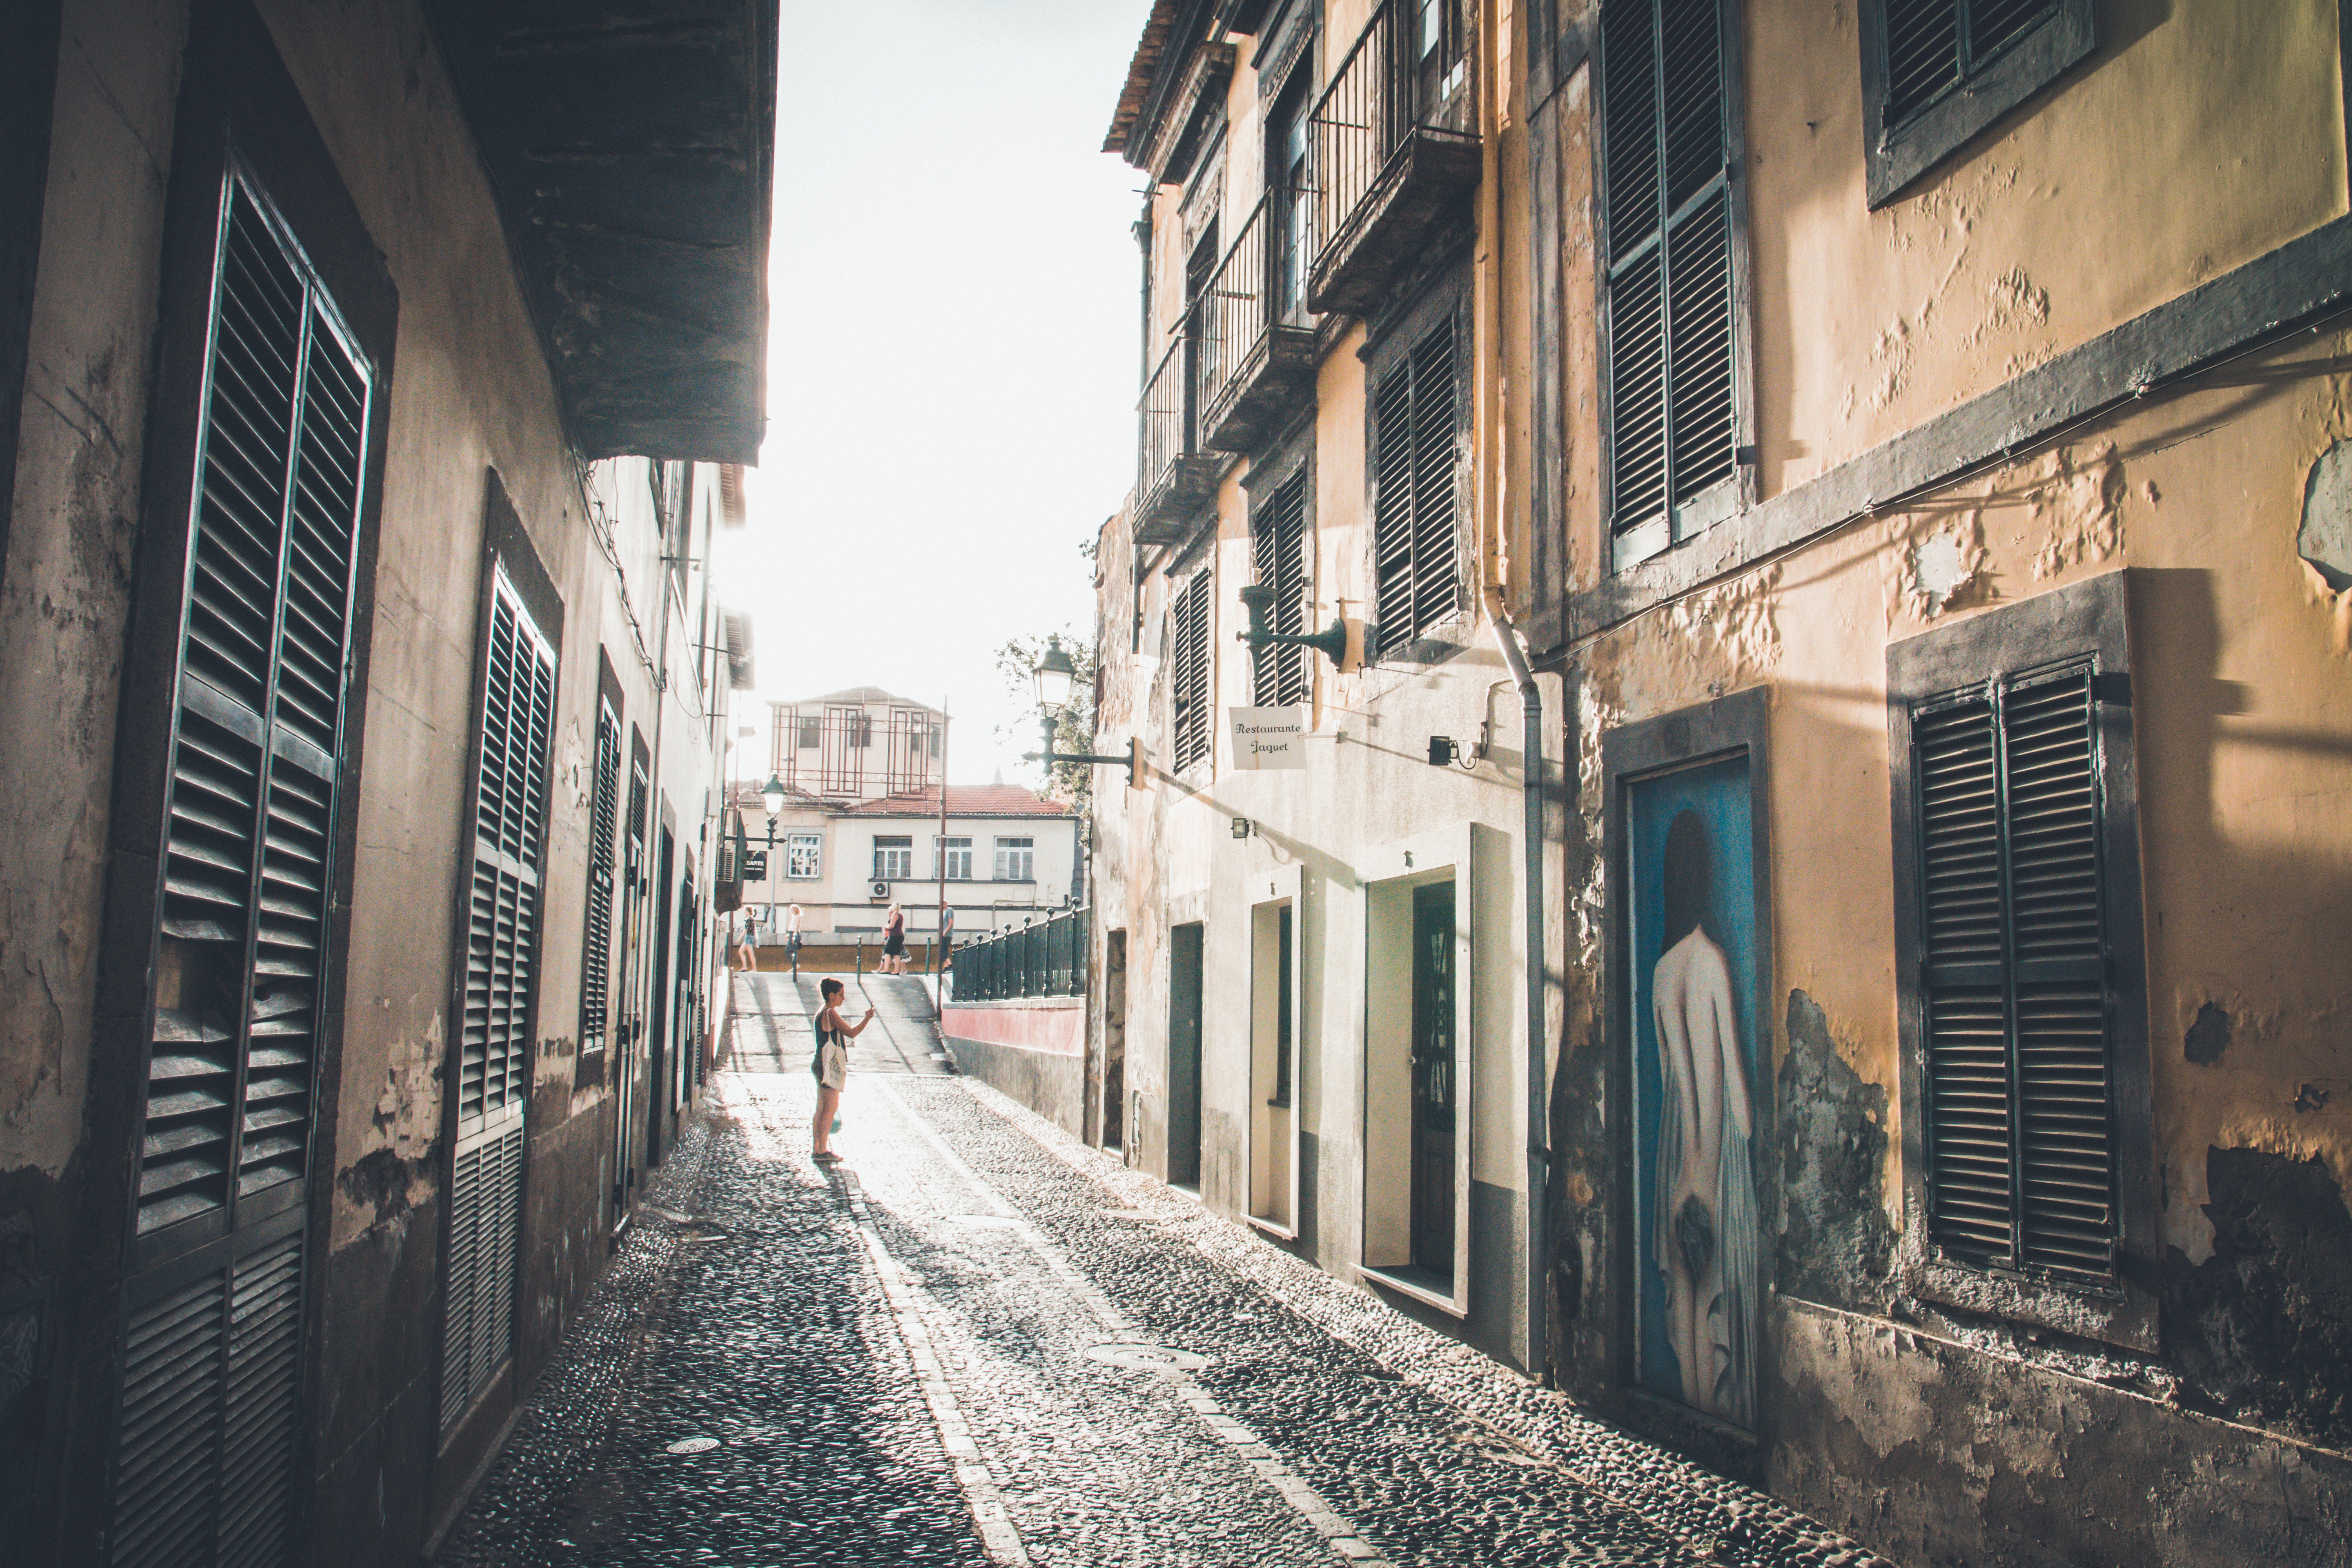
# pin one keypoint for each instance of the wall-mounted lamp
(1443, 751)
(1241, 827)
(1331, 642)
(1055, 676)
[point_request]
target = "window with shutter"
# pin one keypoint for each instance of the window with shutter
(494, 1052)
(603, 829)
(210, 1386)
(2013, 979)
(1669, 354)
(1416, 551)
(1935, 72)
(1282, 675)
(1190, 671)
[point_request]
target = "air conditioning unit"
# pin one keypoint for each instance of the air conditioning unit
(881, 890)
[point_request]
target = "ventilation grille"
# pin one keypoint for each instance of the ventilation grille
(1666, 165)
(485, 1198)
(2022, 1165)
(1190, 697)
(1280, 676)
(203, 1456)
(1416, 462)
(1932, 47)
(596, 960)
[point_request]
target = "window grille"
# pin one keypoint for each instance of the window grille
(894, 858)
(1189, 672)
(204, 1436)
(603, 830)
(955, 859)
(500, 985)
(1417, 564)
(1666, 175)
(1016, 859)
(804, 857)
(2014, 991)
(1280, 676)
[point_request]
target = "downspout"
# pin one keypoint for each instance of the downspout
(1531, 765)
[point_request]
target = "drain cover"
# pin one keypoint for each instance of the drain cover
(1147, 1358)
(694, 1444)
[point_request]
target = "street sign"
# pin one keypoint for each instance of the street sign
(1269, 737)
(755, 865)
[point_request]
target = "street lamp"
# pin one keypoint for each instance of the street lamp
(1055, 676)
(772, 795)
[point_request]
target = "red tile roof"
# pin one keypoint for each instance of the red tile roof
(963, 800)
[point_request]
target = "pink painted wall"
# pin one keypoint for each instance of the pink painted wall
(1060, 1031)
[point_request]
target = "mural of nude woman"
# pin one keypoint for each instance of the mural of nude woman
(1705, 1236)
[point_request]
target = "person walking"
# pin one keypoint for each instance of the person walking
(792, 932)
(831, 1066)
(746, 956)
(893, 942)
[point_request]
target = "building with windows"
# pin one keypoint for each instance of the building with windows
(363, 694)
(858, 744)
(1910, 440)
(1007, 855)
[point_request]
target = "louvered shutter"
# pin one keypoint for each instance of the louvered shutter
(500, 982)
(1279, 676)
(2014, 990)
(211, 1371)
(1189, 679)
(1416, 462)
(604, 826)
(1666, 171)
(1932, 45)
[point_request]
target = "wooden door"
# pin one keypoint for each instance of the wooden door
(1432, 1078)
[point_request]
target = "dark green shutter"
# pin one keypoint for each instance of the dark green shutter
(2021, 1163)
(1667, 174)
(1189, 673)
(604, 827)
(501, 982)
(1280, 676)
(204, 1443)
(1416, 461)
(1932, 45)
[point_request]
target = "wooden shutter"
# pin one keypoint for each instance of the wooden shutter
(1280, 676)
(500, 985)
(604, 827)
(1189, 677)
(1932, 45)
(206, 1427)
(1666, 171)
(2021, 1154)
(1416, 552)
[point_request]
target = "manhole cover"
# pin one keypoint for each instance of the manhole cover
(694, 1444)
(1147, 1358)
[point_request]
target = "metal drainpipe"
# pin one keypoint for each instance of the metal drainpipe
(1514, 660)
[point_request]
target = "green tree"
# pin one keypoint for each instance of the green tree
(1016, 661)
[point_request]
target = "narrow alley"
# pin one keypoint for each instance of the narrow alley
(977, 1340)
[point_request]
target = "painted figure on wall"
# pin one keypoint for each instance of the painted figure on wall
(1701, 1227)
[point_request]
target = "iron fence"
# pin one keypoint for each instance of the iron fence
(1233, 309)
(1043, 958)
(1167, 409)
(1355, 125)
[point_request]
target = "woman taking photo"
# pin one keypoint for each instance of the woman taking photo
(831, 1066)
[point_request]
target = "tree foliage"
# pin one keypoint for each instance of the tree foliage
(1016, 661)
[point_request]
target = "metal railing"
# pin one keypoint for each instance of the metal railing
(1371, 105)
(1166, 408)
(1235, 309)
(838, 748)
(1045, 958)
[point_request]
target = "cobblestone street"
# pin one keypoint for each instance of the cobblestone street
(977, 1341)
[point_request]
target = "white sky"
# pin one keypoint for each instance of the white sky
(952, 341)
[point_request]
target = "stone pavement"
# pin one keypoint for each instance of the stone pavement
(977, 1341)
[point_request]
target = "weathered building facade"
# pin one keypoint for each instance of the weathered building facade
(385, 374)
(1912, 436)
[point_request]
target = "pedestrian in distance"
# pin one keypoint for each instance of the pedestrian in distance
(746, 956)
(893, 942)
(831, 1066)
(792, 932)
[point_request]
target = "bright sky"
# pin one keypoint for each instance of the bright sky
(952, 341)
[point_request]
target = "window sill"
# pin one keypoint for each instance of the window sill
(1426, 1285)
(1272, 1227)
(2123, 1314)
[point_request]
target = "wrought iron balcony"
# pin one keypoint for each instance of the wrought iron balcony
(1257, 342)
(1393, 146)
(1178, 477)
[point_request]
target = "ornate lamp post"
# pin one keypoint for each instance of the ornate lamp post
(1055, 676)
(772, 795)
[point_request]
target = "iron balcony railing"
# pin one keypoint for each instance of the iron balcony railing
(1403, 82)
(1044, 958)
(1256, 335)
(1231, 314)
(1168, 423)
